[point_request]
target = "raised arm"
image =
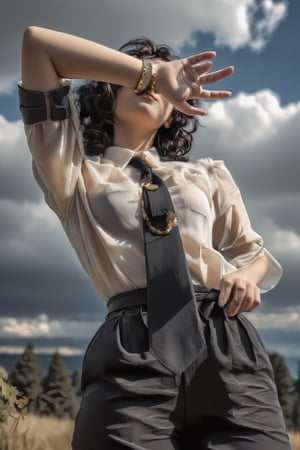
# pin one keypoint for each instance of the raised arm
(48, 55)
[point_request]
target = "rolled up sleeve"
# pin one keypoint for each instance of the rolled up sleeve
(233, 235)
(55, 142)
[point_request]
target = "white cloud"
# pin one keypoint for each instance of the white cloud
(10, 132)
(286, 241)
(271, 14)
(235, 24)
(259, 140)
(14, 327)
(249, 121)
(42, 326)
(289, 319)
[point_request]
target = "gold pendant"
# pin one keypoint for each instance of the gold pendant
(150, 186)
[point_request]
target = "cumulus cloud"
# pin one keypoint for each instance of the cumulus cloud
(12, 326)
(289, 319)
(234, 24)
(264, 18)
(287, 241)
(252, 120)
(43, 326)
(259, 139)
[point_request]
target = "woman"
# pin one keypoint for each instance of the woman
(143, 103)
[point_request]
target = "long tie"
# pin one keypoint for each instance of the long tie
(175, 330)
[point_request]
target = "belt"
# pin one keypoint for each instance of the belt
(138, 297)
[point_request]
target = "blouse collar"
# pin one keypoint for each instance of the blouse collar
(121, 156)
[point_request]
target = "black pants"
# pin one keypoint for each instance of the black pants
(130, 401)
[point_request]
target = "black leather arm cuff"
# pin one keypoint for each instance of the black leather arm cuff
(34, 109)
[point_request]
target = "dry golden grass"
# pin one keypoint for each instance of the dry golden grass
(295, 440)
(40, 433)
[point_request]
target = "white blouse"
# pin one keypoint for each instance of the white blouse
(97, 199)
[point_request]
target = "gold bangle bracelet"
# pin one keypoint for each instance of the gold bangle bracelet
(142, 77)
(152, 84)
(146, 76)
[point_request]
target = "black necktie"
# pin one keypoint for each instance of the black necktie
(175, 331)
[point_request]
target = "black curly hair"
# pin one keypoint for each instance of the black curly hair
(96, 103)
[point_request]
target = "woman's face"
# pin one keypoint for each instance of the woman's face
(146, 109)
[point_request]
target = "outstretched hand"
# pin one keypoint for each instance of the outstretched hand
(183, 79)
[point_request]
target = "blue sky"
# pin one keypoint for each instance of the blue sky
(275, 67)
(45, 295)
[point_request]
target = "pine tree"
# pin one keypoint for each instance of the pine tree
(76, 382)
(58, 393)
(27, 377)
(285, 387)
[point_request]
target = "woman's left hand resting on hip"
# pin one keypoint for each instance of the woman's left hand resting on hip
(239, 291)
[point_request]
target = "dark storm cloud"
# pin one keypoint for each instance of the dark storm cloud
(57, 292)
(16, 180)
(286, 344)
(287, 292)
(281, 209)
(286, 213)
(282, 339)
(39, 272)
(46, 283)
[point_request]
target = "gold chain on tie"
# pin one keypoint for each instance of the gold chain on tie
(171, 217)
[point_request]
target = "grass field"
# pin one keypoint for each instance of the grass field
(295, 439)
(39, 433)
(44, 433)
